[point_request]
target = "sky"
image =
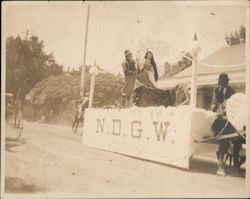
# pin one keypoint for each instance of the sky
(166, 28)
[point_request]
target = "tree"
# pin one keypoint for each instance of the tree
(237, 37)
(56, 93)
(27, 60)
(173, 69)
(242, 33)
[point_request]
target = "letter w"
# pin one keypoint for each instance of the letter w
(161, 131)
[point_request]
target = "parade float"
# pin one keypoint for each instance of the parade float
(156, 128)
(158, 133)
(166, 134)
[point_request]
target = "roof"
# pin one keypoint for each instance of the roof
(229, 55)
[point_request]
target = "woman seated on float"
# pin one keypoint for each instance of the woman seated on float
(147, 72)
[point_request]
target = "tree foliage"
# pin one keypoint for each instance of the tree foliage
(237, 37)
(173, 69)
(55, 93)
(27, 60)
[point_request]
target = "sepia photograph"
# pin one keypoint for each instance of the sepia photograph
(125, 99)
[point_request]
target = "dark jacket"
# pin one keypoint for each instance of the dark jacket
(129, 67)
(220, 95)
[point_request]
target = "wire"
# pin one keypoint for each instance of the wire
(222, 66)
(111, 70)
(182, 54)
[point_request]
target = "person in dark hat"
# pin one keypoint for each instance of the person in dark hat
(130, 72)
(221, 93)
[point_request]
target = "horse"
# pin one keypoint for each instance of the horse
(144, 96)
(221, 126)
(77, 118)
(79, 114)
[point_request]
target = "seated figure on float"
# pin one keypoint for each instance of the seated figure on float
(147, 71)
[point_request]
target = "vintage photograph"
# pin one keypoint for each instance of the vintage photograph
(125, 99)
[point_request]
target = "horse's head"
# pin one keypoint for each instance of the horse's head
(182, 93)
(137, 94)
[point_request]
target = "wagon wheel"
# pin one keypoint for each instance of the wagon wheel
(229, 157)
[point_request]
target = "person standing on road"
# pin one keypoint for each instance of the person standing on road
(221, 93)
(130, 72)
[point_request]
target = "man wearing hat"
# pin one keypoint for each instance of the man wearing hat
(130, 73)
(221, 93)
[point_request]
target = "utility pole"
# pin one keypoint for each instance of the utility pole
(26, 32)
(94, 72)
(84, 56)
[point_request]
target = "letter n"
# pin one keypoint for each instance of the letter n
(100, 124)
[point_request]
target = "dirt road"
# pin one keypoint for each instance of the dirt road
(52, 160)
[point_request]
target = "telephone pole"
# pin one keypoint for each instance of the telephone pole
(26, 32)
(84, 56)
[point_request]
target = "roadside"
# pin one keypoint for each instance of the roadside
(53, 160)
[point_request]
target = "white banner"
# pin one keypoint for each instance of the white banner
(154, 133)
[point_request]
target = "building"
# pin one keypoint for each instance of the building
(229, 59)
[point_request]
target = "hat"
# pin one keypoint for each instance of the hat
(127, 52)
(223, 77)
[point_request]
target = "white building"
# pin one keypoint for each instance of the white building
(229, 59)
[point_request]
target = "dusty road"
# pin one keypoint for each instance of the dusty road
(52, 160)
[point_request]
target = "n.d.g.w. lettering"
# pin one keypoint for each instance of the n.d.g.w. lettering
(135, 129)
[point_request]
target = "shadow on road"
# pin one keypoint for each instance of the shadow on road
(7, 139)
(8, 147)
(10, 143)
(199, 166)
(17, 185)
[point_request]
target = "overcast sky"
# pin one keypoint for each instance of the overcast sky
(114, 26)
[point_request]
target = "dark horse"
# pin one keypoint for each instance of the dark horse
(79, 114)
(221, 126)
(144, 96)
(77, 118)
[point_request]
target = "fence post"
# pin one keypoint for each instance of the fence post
(196, 49)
